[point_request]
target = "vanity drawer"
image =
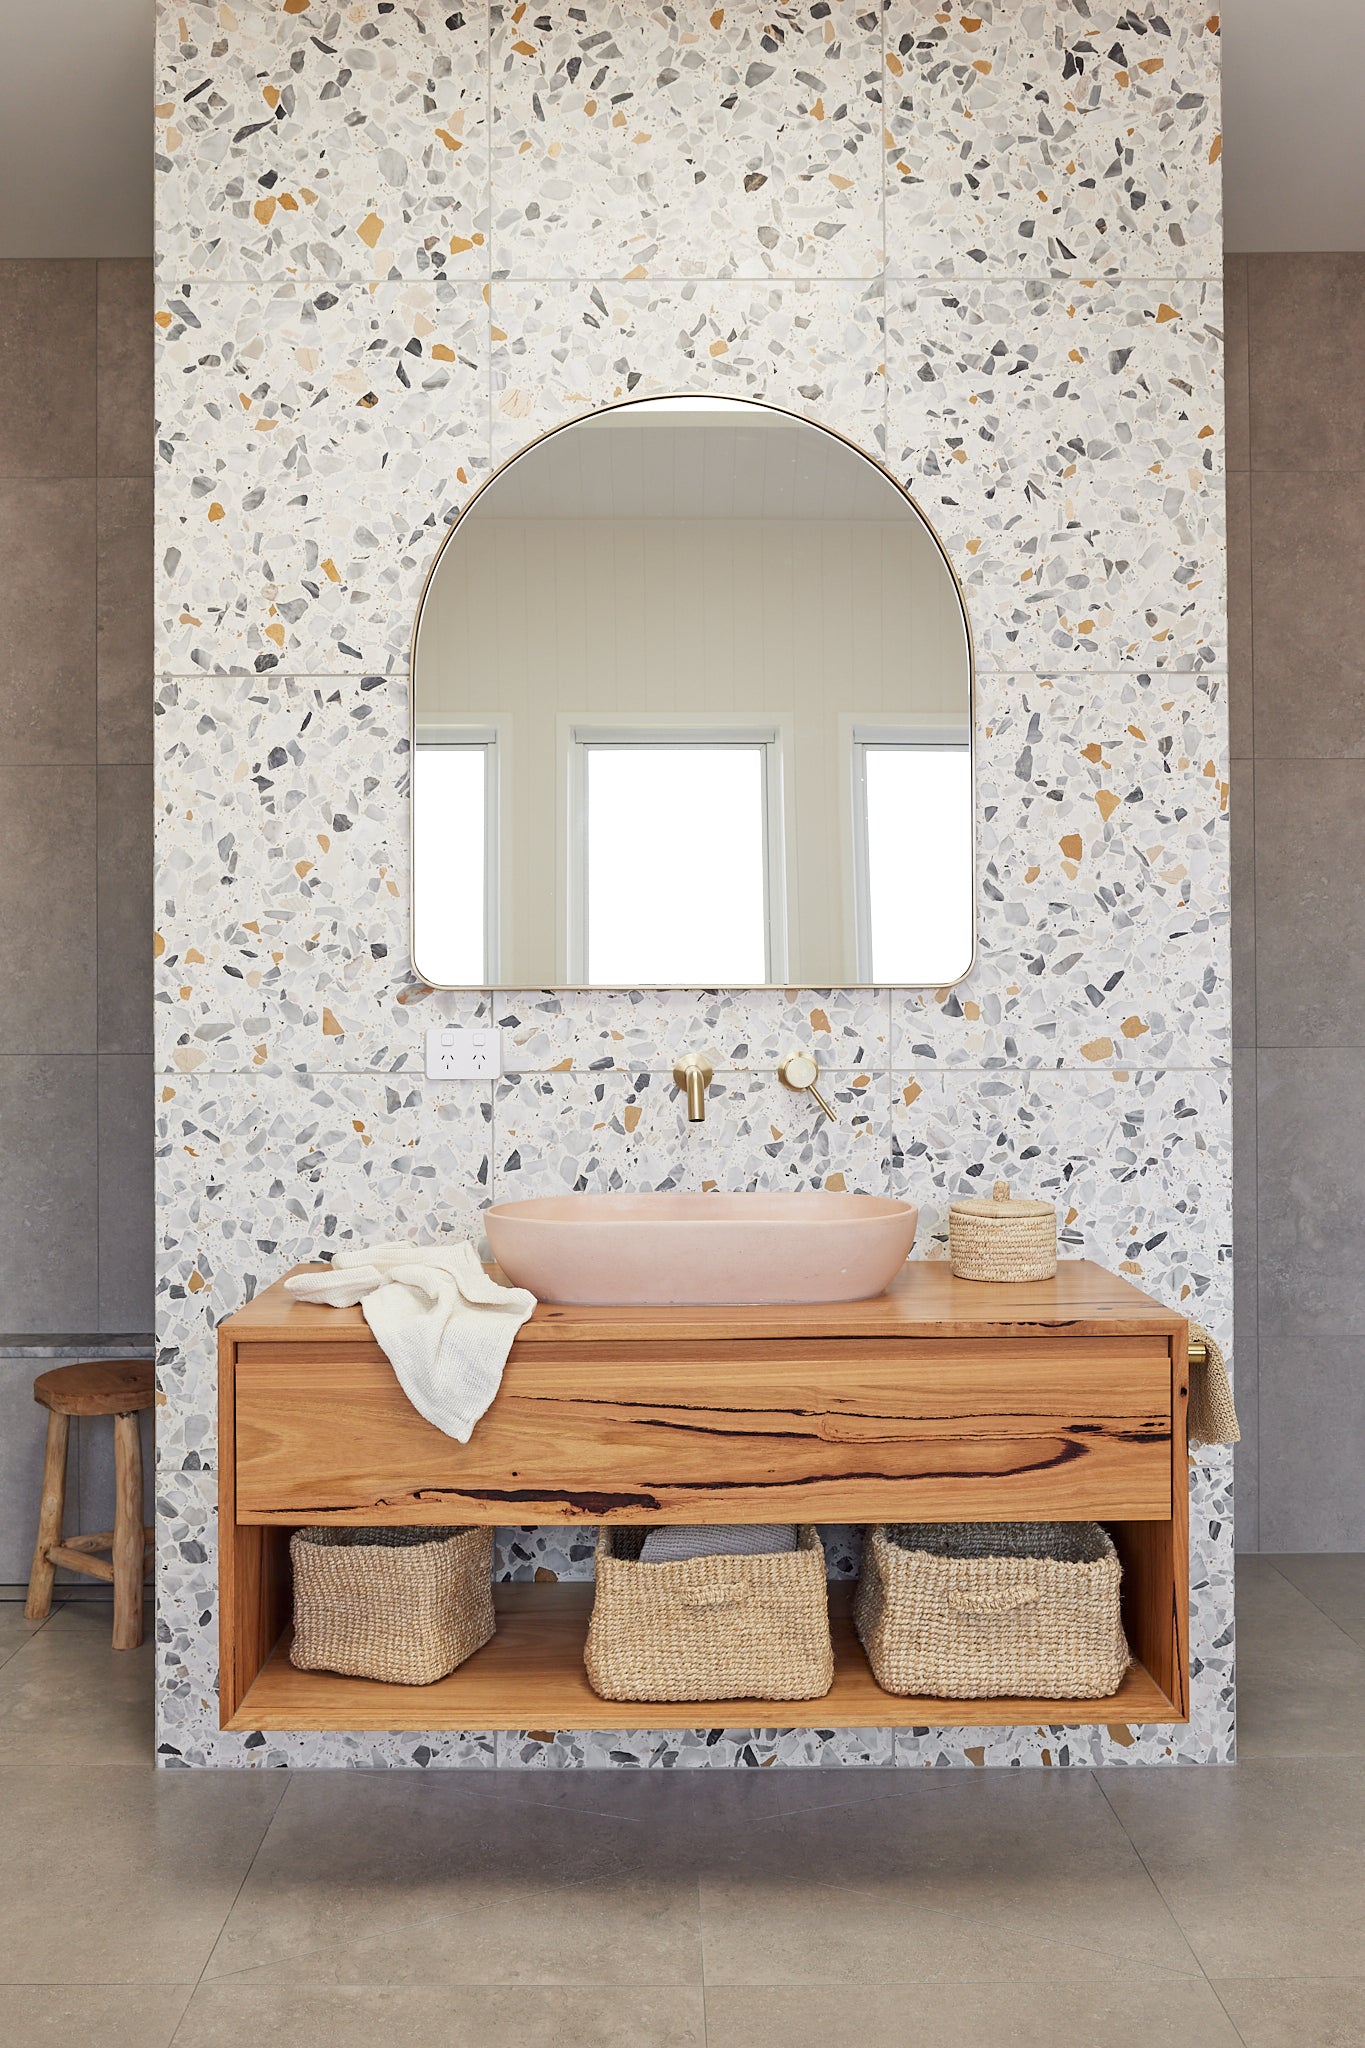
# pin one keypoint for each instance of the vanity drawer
(837, 1431)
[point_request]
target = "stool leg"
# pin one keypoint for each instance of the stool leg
(128, 1537)
(39, 1602)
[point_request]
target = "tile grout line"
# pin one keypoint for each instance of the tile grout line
(1169, 1909)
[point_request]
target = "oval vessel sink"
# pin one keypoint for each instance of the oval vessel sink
(693, 1249)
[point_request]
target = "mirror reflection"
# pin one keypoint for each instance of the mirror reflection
(691, 707)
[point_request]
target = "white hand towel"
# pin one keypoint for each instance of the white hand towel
(443, 1325)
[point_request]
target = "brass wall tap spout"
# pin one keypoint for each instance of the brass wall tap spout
(693, 1076)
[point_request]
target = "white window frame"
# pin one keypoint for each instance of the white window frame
(578, 734)
(919, 733)
(437, 735)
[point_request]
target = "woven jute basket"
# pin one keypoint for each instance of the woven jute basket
(709, 1628)
(1002, 1239)
(992, 1610)
(402, 1605)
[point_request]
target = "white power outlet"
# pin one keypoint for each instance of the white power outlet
(458, 1052)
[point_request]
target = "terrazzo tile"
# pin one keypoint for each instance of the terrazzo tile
(256, 1173)
(313, 446)
(1102, 865)
(562, 349)
(687, 141)
(649, 1030)
(1066, 443)
(337, 141)
(1074, 139)
(560, 1133)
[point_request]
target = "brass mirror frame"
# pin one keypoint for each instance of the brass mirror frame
(577, 419)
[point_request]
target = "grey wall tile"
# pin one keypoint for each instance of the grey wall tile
(1305, 321)
(126, 1226)
(1310, 903)
(126, 356)
(1246, 1461)
(124, 620)
(1312, 1428)
(1308, 565)
(124, 909)
(1310, 1140)
(1242, 845)
(47, 911)
(48, 1205)
(1240, 612)
(23, 1428)
(1236, 395)
(47, 620)
(47, 368)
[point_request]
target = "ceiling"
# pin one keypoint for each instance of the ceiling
(76, 92)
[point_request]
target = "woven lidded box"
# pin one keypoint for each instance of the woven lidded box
(991, 1610)
(1002, 1239)
(402, 1605)
(709, 1628)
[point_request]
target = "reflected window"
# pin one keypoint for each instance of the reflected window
(454, 859)
(914, 866)
(672, 844)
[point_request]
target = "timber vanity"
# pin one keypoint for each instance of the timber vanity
(940, 1400)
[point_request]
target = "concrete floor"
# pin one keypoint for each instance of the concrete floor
(800, 1909)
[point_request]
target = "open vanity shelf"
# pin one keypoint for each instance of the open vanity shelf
(941, 1400)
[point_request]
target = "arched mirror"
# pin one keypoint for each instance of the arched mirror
(692, 707)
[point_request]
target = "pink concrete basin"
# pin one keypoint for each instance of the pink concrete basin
(692, 1249)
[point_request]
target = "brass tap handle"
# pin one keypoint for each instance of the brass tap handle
(798, 1071)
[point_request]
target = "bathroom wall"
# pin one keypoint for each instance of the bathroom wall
(393, 245)
(1296, 502)
(75, 850)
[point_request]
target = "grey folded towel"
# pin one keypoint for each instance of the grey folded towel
(718, 1539)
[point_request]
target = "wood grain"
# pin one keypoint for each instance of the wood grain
(254, 1593)
(51, 1510)
(531, 1676)
(925, 1299)
(821, 1431)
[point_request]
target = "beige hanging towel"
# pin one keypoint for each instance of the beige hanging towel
(1212, 1417)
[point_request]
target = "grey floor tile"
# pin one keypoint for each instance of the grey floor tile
(1236, 397)
(1310, 1136)
(1240, 619)
(1307, 389)
(70, 1698)
(1310, 901)
(1263, 1865)
(416, 1878)
(1308, 538)
(1317, 2012)
(1300, 1678)
(124, 660)
(15, 1632)
(122, 1875)
(48, 1211)
(126, 357)
(1312, 1397)
(1000, 1876)
(401, 2016)
(47, 622)
(1336, 1584)
(124, 908)
(968, 2015)
(47, 917)
(93, 2015)
(47, 367)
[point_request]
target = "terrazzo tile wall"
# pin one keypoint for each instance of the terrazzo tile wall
(398, 241)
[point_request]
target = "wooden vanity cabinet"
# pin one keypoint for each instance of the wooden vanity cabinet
(940, 1400)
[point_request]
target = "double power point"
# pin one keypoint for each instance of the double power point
(460, 1052)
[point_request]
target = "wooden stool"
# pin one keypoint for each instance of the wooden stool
(118, 1387)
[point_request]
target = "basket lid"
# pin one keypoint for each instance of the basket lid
(1002, 1204)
